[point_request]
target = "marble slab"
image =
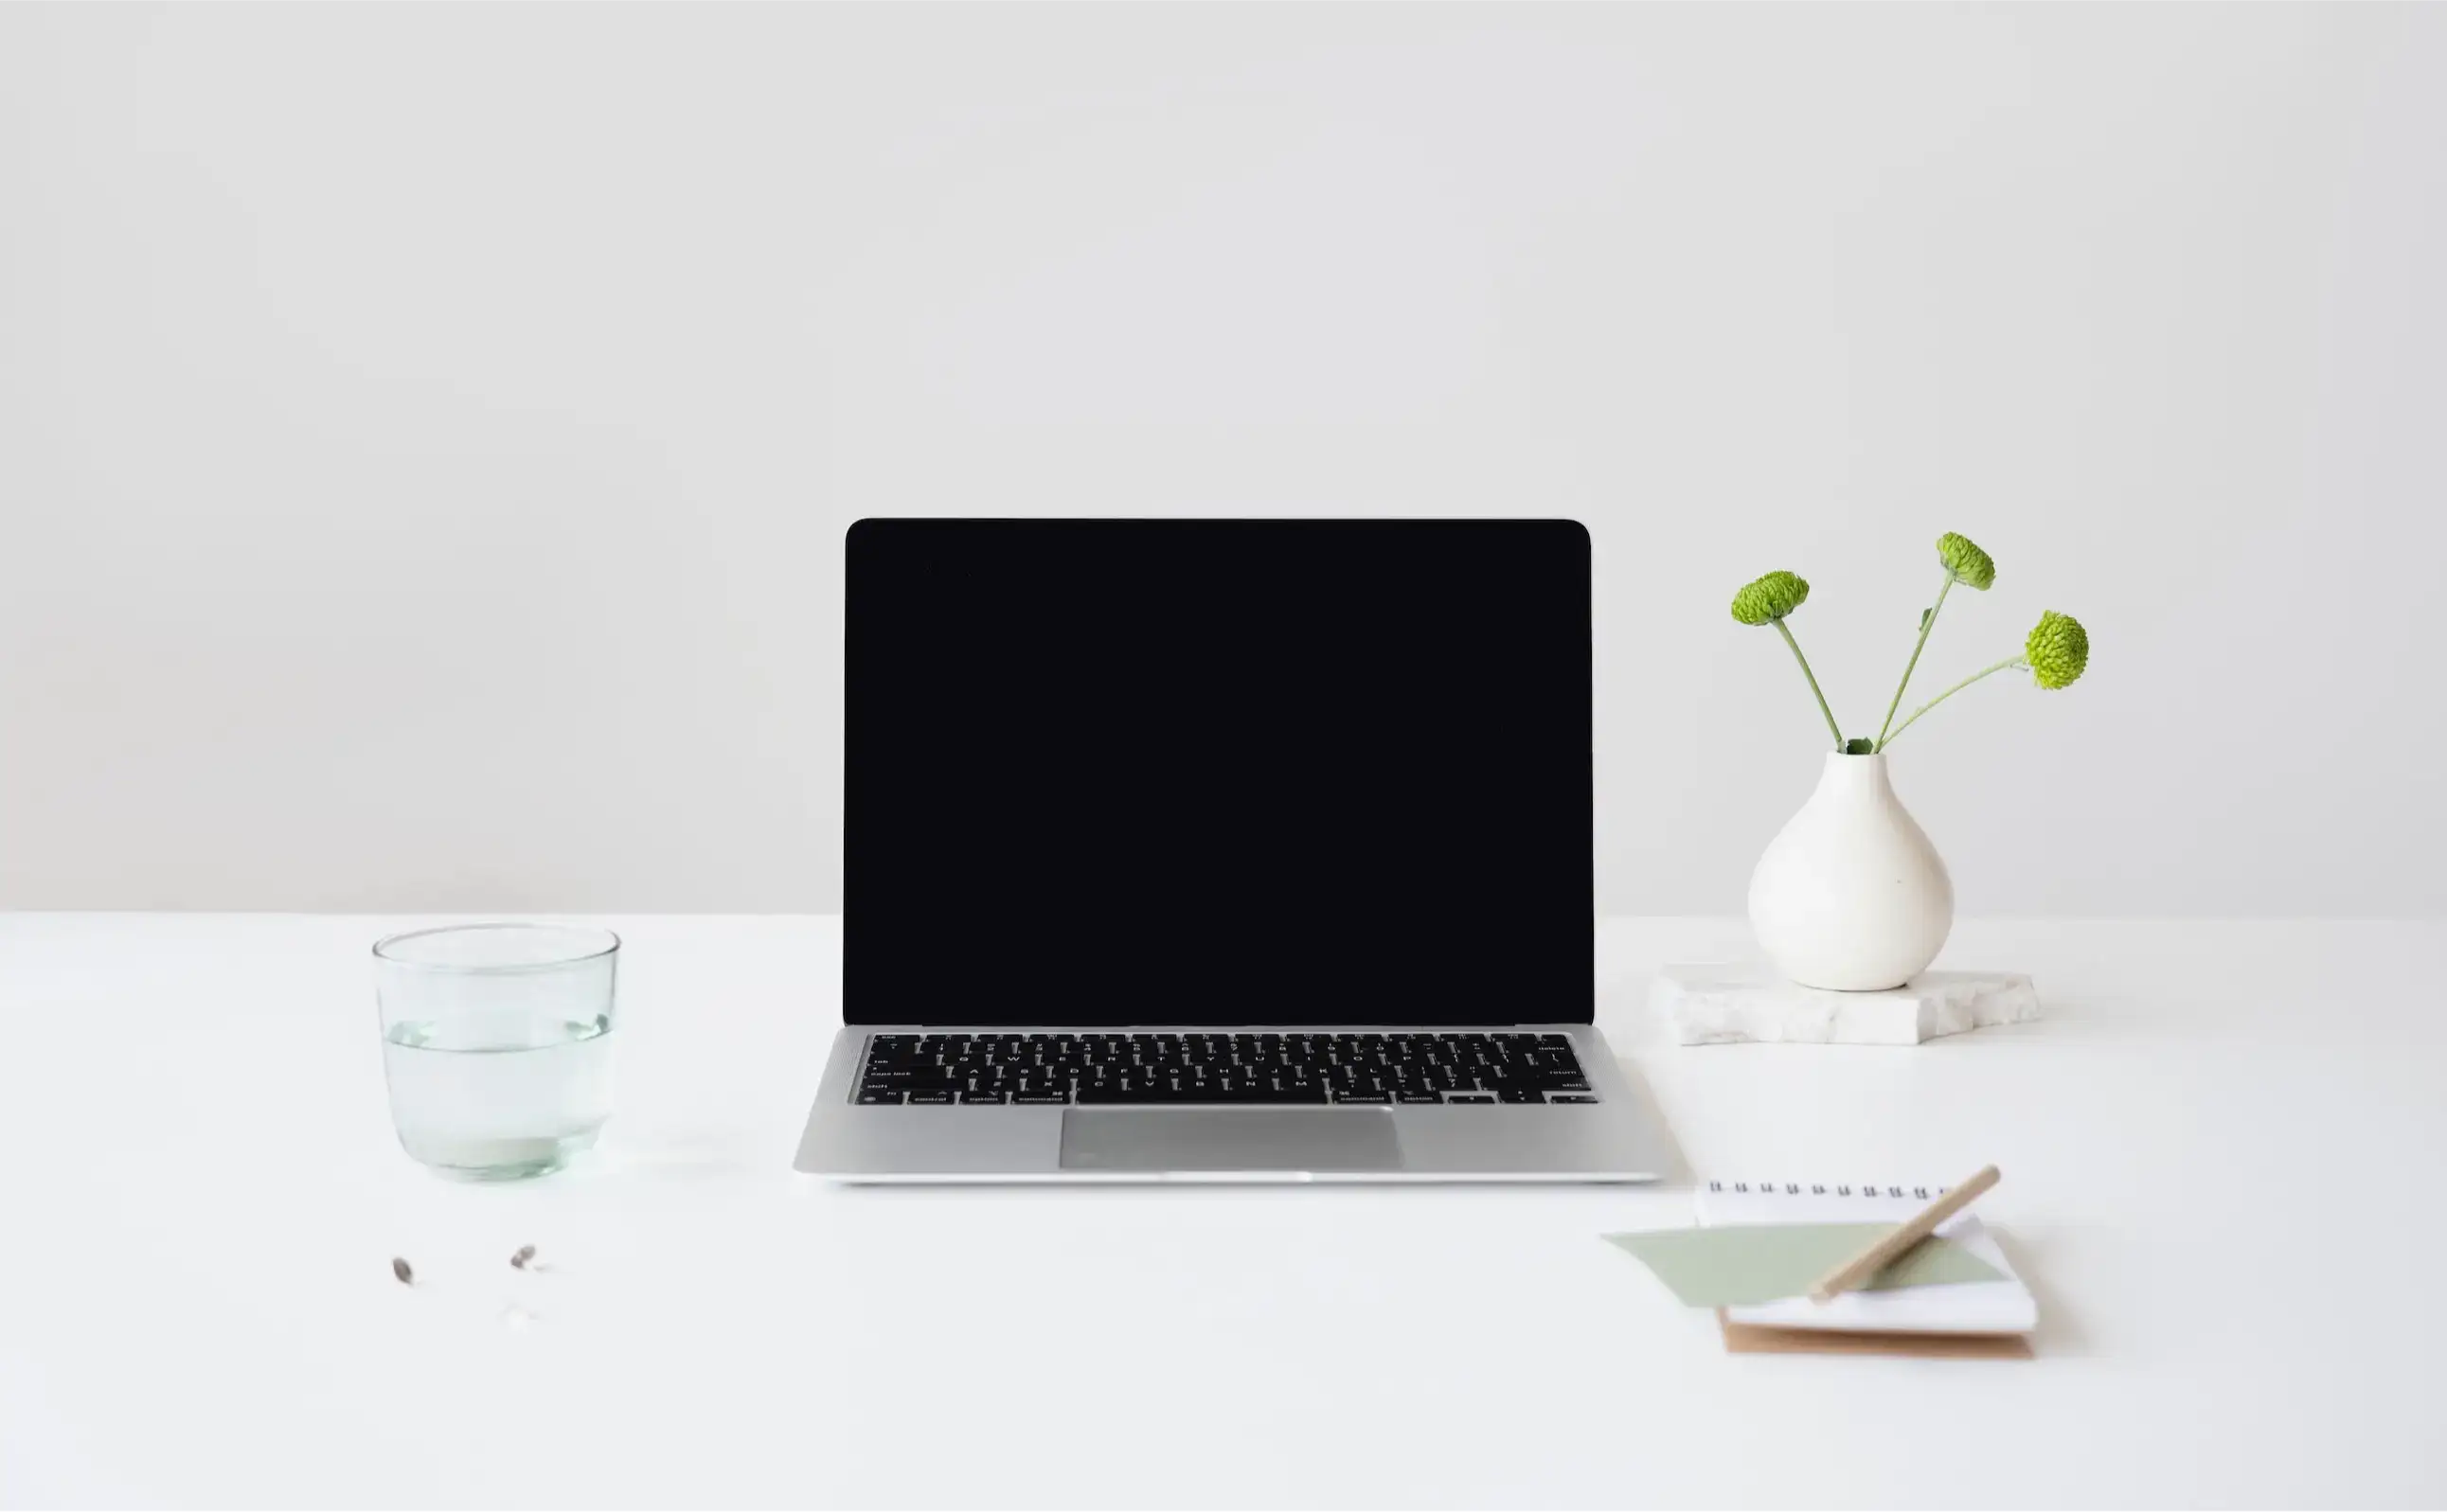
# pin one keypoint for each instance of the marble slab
(1729, 1005)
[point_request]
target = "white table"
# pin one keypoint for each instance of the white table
(200, 1198)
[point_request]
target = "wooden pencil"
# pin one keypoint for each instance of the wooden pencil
(1860, 1268)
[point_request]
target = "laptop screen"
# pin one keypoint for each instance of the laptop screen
(1120, 772)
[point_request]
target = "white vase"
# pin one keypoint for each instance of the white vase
(1850, 895)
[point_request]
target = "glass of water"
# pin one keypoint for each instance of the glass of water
(497, 1043)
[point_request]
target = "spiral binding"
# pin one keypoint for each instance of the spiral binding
(1926, 1194)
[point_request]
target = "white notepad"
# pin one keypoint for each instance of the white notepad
(1973, 1307)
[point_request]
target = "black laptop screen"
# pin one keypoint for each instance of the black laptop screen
(1217, 772)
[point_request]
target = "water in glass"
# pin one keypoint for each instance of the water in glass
(497, 1043)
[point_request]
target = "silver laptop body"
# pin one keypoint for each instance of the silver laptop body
(1299, 806)
(1615, 1139)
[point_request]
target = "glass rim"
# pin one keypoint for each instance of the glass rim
(607, 941)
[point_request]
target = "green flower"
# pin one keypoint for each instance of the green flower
(2057, 650)
(1766, 603)
(1967, 564)
(1770, 598)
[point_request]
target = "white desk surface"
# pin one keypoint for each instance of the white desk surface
(200, 1198)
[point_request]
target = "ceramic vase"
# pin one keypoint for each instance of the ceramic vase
(1850, 895)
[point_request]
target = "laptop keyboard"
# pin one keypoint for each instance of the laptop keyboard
(1382, 1069)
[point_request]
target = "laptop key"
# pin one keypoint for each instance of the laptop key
(870, 1097)
(1407, 1096)
(932, 1095)
(1346, 1095)
(1470, 1097)
(1520, 1094)
(1570, 1097)
(981, 1097)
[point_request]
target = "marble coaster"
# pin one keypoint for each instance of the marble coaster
(1726, 1004)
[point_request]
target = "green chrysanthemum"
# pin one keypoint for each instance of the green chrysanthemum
(2057, 650)
(1766, 601)
(1970, 566)
(1770, 597)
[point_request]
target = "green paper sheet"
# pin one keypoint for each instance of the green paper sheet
(1741, 1267)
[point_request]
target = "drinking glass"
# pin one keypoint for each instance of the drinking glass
(497, 1043)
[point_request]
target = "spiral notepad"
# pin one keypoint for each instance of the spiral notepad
(2000, 1307)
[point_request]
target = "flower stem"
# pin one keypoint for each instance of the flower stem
(1928, 623)
(1813, 683)
(2010, 661)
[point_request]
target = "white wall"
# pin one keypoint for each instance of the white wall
(425, 433)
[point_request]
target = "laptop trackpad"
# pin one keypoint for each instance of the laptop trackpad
(1229, 1139)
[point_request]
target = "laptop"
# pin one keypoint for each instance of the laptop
(1247, 850)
